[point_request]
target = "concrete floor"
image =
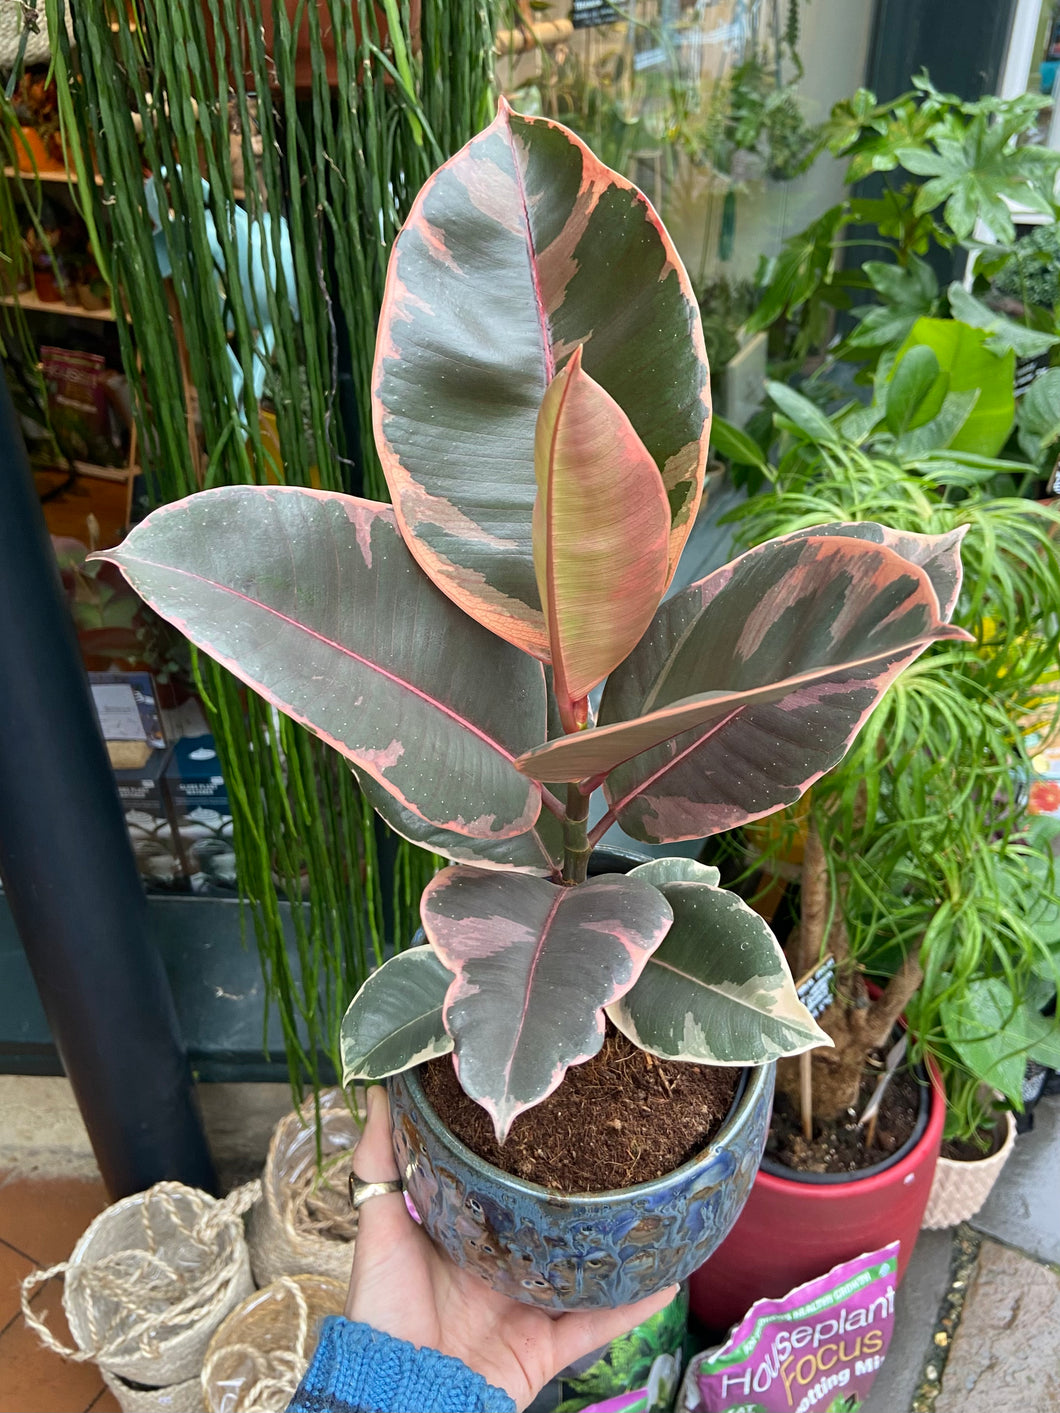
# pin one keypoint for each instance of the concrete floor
(1000, 1353)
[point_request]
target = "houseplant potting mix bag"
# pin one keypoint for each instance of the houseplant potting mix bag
(816, 1350)
(636, 1373)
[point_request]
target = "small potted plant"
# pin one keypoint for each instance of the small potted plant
(541, 405)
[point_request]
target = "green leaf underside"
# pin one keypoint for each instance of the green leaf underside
(776, 660)
(534, 966)
(395, 1020)
(717, 991)
(539, 851)
(601, 532)
(312, 599)
(513, 256)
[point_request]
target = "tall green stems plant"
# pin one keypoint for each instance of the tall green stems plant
(244, 221)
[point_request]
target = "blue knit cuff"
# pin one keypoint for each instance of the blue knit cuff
(358, 1370)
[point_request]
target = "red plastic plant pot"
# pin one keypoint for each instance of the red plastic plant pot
(796, 1228)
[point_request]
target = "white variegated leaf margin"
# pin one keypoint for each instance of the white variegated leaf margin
(395, 1020)
(717, 991)
(676, 869)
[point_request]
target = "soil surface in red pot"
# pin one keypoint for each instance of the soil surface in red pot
(622, 1118)
(838, 1146)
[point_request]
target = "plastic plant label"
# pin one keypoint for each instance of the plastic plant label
(815, 989)
(817, 1350)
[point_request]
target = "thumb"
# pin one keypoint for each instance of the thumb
(373, 1158)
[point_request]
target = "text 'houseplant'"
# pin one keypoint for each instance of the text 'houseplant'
(541, 404)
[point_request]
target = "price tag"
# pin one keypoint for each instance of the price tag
(586, 14)
(815, 989)
(118, 712)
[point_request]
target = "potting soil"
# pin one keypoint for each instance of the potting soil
(838, 1146)
(621, 1118)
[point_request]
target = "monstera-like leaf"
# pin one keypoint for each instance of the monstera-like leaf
(534, 966)
(519, 250)
(752, 683)
(717, 990)
(312, 599)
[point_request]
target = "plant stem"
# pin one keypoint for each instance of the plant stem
(576, 846)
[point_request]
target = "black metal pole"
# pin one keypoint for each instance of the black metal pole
(70, 877)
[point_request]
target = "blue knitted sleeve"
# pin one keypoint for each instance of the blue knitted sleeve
(358, 1370)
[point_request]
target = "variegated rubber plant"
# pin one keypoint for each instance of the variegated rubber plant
(541, 401)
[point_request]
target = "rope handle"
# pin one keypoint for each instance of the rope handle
(234, 1205)
(27, 1285)
(278, 1372)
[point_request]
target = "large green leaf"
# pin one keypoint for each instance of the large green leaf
(978, 172)
(395, 1020)
(535, 964)
(717, 990)
(754, 681)
(601, 534)
(994, 1035)
(972, 368)
(312, 599)
(520, 249)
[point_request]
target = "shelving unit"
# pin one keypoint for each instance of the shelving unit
(64, 177)
(32, 303)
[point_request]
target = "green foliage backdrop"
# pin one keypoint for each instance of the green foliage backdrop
(276, 193)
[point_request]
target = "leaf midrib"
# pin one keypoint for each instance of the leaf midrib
(329, 642)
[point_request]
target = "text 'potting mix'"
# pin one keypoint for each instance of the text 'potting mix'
(817, 1348)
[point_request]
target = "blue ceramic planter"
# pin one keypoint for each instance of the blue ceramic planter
(590, 1249)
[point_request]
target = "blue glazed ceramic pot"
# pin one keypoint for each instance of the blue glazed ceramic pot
(586, 1250)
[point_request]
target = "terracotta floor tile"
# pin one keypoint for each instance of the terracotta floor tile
(32, 1378)
(105, 1403)
(13, 1266)
(43, 1217)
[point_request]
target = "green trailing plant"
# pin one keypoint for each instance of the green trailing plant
(919, 865)
(755, 127)
(544, 434)
(945, 166)
(252, 180)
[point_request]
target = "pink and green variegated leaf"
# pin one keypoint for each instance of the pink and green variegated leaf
(938, 555)
(539, 851)
(837, 617)
(312, 599)
(750, 684)
(534, 965)
(520, 249)
(395, 1020)
(601, 533)
(718, 990)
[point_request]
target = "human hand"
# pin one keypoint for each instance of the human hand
(405, 1287)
